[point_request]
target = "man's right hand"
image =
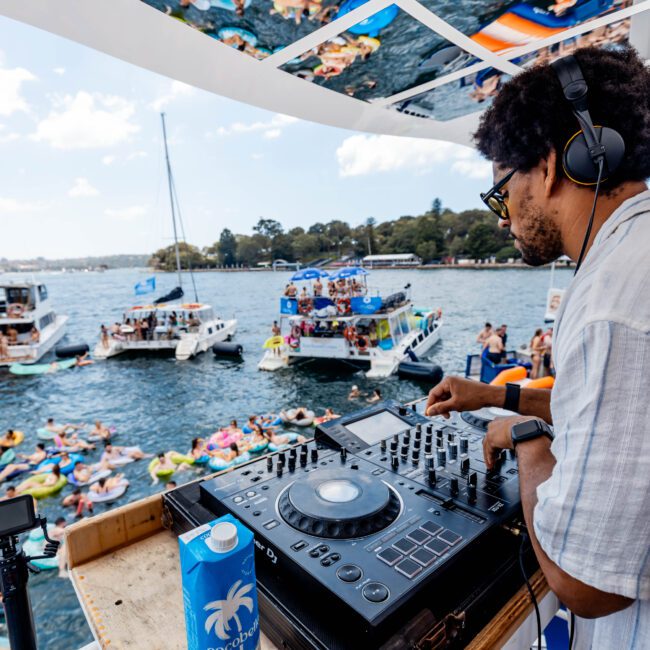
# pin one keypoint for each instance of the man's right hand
(457, 394)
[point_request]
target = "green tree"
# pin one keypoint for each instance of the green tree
(306, 246)
(482, 241)
(227, 247)
(436, 207)
(165, 258)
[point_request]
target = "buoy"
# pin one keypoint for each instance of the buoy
(421, 370)
(68, 351)
(228, 349)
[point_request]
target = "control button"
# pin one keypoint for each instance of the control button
(255, 479)
(238, 499)
(404, 545)
(314, 455)
(251, 493)
(437, 546)
(449, 536)
(344, 454)
(472, 479)
(432, 476)
(319, 550)
(464, 444)
(394, 462)
(464, 465)
(418, 536)
(441, 456)
(382, 445)
(408, 568)
(375, 592)
(246, 472)
(431, 527)
(423, 557)
(298, 546)
(269, 463)
(471, 493)
(387, 538)
(390, 556)
(402, 410)
(349, 573)
(272, 523)
(330, 559)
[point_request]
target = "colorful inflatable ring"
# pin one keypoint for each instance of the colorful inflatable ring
(258, 448)
(164, 473)
(219, 464)
(541, 382)
(48, 463)
(201, 460)
(7, 457)
(362, 343)
(372, 25)
(111, 495)
(45, 434)
(177, 459)
(343, 305)
(245, 35)
(41, 491)
(224, 438)
(305, 305)
(19, 436)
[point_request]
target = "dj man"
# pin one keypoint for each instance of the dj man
(585, 483)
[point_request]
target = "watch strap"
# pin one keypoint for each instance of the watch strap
(511, 402)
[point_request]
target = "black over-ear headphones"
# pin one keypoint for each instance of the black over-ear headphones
(583, 153)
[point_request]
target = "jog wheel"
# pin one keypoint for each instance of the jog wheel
(339, 504)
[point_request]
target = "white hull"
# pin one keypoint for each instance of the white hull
(383, 363)
(32, 352)
(187, 346)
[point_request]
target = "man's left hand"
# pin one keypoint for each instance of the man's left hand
(499, 436)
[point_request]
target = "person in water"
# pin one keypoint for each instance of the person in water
(375, 397)
(105, 485)
(113, 452)
(354, 393)
(32, 461)
(198, 449)
(77, 499)
(52, 427)
(50, 480)
(10, 493)
(10, 439)
(72, 442)
(100, 431)
(81, 472)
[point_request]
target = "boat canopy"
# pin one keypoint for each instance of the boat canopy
(309, 274)
(348, 272)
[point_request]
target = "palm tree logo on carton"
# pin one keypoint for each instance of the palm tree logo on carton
(227, 609)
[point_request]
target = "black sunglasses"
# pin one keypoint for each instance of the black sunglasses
(495, 200)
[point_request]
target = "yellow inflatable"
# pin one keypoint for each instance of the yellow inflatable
(273, 343)
(18, 437)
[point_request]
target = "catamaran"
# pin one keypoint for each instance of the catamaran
(354, 325)
(168, 324)
(29, 325)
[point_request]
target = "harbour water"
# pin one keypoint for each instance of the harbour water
(160, 404)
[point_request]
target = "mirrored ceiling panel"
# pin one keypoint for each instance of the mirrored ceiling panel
(385, 54)
(500, 26)
(256, 27)
(475, 92)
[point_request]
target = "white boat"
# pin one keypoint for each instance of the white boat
(364, 330)
(29, 322)
(168, 325)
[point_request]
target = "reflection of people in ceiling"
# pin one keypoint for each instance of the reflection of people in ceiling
(340, 53)
(296, 9)
(238, 6)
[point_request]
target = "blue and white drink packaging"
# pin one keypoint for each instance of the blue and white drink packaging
(219, 588)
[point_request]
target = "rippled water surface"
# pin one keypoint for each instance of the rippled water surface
(161, 404)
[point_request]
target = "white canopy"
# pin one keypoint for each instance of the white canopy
(413, 68)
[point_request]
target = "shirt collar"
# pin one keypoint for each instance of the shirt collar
(627, 210)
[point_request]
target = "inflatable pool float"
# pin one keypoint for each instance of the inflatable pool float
(223, 438)
(123, 458)
(41, 491)
(291, 438)
(41, 368)
(372, 25)
(111, 495)
(7, 457)
(45, 434)
(258, 448)
(180, 458)
(94, 477)
(289, 417)
(509, 375)
(48, 463)
(163, 473)
(93, 437)
(541, 382)
(35, 545)
(228, 5)
(19, 436)
(244, 34)
(218, 464)
(276, 421)
(202, 460)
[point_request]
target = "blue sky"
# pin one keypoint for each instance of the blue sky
(81, 161)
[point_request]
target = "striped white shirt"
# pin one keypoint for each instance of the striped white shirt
(593, 514)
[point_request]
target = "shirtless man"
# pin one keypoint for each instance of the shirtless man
(495, 348)
(101, 431)
(164, 464)
(32, 460)
(484, 334)
(78, 500)
(112, 452)
(105, 485)
(318, 288)
(4, 346)
(62, 428)
(291, 291)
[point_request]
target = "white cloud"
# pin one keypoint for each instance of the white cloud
(126, 214)
(86, 121)
(271, 129)
(137, 154)
(7, 137)
(82, 188)
(109, 160)
(13, 206)
(60, 71)
(360, 155)
(477, 168)
(176, 89)
(11, 98)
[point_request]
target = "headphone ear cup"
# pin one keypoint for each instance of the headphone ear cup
(578, 164)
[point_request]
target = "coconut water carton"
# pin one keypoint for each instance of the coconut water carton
(219, 588)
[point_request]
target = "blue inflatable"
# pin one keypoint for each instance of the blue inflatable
(583, 10)
(245, 35)
(218, 464)
(56, 460)
(201, 460)
(372, 25)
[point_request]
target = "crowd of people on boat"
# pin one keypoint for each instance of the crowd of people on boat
(341, 288)
(148, 328)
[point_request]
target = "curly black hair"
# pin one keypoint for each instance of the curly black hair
(530, 115)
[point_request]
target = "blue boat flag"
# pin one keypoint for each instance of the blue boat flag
(145, 286)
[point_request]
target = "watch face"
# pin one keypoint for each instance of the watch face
(525, 429)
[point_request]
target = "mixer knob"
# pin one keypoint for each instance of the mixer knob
(406, 439)
(269, 463)
(464, 444)
(292, 464)
(418, 429)
(402, 410)
(432, 476)
(304, 449)
(279, 470)
(472, 479)
(414, 408)
(439, 433)
(415, 456)
(282, 457)
(451, 437)
(344, 454)
(303, 460)
(429, 429)
(393, 444)
(453, 487)
(416, 443)
(293, 452)
(439, 443)
(453, 451)
(427, 447)
(394, 462)
(471, 493)
(441, 456)
(428, 459)
(314, 455)
(404, 451)
(382, 446)
(464, 465)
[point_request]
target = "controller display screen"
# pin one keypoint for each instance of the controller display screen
(377, 427)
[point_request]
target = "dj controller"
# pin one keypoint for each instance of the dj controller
(384, 530)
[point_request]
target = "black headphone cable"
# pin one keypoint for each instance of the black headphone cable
(601, 165)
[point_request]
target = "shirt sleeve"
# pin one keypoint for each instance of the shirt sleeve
(593, 513)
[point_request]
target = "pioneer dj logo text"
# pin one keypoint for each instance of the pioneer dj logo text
(225, 610)
(267, 551)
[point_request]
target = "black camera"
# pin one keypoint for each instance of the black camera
(17, 515)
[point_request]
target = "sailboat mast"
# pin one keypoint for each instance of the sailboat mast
(171, 201)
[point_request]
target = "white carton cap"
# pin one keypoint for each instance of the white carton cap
(223, 537)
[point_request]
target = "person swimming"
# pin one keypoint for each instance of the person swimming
(105, 485)
(32, 461)
(50, 480)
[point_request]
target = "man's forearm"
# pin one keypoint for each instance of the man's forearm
(536, 464)
(532, 401)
